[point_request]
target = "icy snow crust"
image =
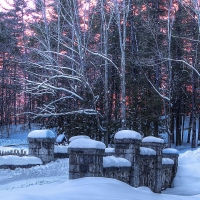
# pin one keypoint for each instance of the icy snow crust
(167, 161)
(111, 161)
(86, 143)
(147, 151)
(128, 134)
(16, 160)
(170, 151)
(153, 139)
(78, 137)
(41, 134)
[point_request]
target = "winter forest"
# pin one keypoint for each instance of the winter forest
(94, 67)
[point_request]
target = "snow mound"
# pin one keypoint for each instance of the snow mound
(16, 160)
(41, 134)
(153, 139)
(167, 161)
(78, 137)
(60, 149)
(89, 188)
(170, 151)
(187, 179)
(190, 157)
(86, 143)
(129, 134)
(111, 161)
(147, 151)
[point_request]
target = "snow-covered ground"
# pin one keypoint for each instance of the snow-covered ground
(50, 182)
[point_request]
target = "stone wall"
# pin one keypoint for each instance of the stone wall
(41, 144)
(167, 176)
(85, 162)
(61, 155)
(129, 148)
(119, 173)
(158, 147)
(147, 171)
(149, 165)
(136, 162)
(42, 148)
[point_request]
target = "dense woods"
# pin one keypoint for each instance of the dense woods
(94, 67)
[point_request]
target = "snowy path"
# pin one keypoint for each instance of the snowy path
(38, 175)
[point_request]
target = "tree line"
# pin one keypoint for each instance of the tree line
(95, 67)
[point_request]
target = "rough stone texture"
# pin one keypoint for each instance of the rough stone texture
(129, 148)
(147, 171)
(109, 154)
(158, 147)
(119, 173)
(42, 148)
(61, 155)
(85, 162)
(167, 176)
(174, 157)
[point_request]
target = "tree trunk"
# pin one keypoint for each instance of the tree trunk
(199, 130)
(190, 128)
(178, 125)
(194, 138)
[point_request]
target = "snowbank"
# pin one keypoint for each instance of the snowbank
(16, 160)
(86, 143)
(147, 151)
(187, 180)
(78, 137)
(128, 134)
(153, 139)
(87, 188)
(41, 134)
(111, 161)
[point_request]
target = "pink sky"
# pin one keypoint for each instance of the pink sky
(3, 3)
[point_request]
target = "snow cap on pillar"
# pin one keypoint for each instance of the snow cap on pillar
(128, 134)
(152, 139)
(86, 143)
(42, 134)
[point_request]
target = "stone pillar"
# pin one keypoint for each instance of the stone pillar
(127, 145)
(157, 144)
(41, 145)
(172, 154)
(85, 158)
